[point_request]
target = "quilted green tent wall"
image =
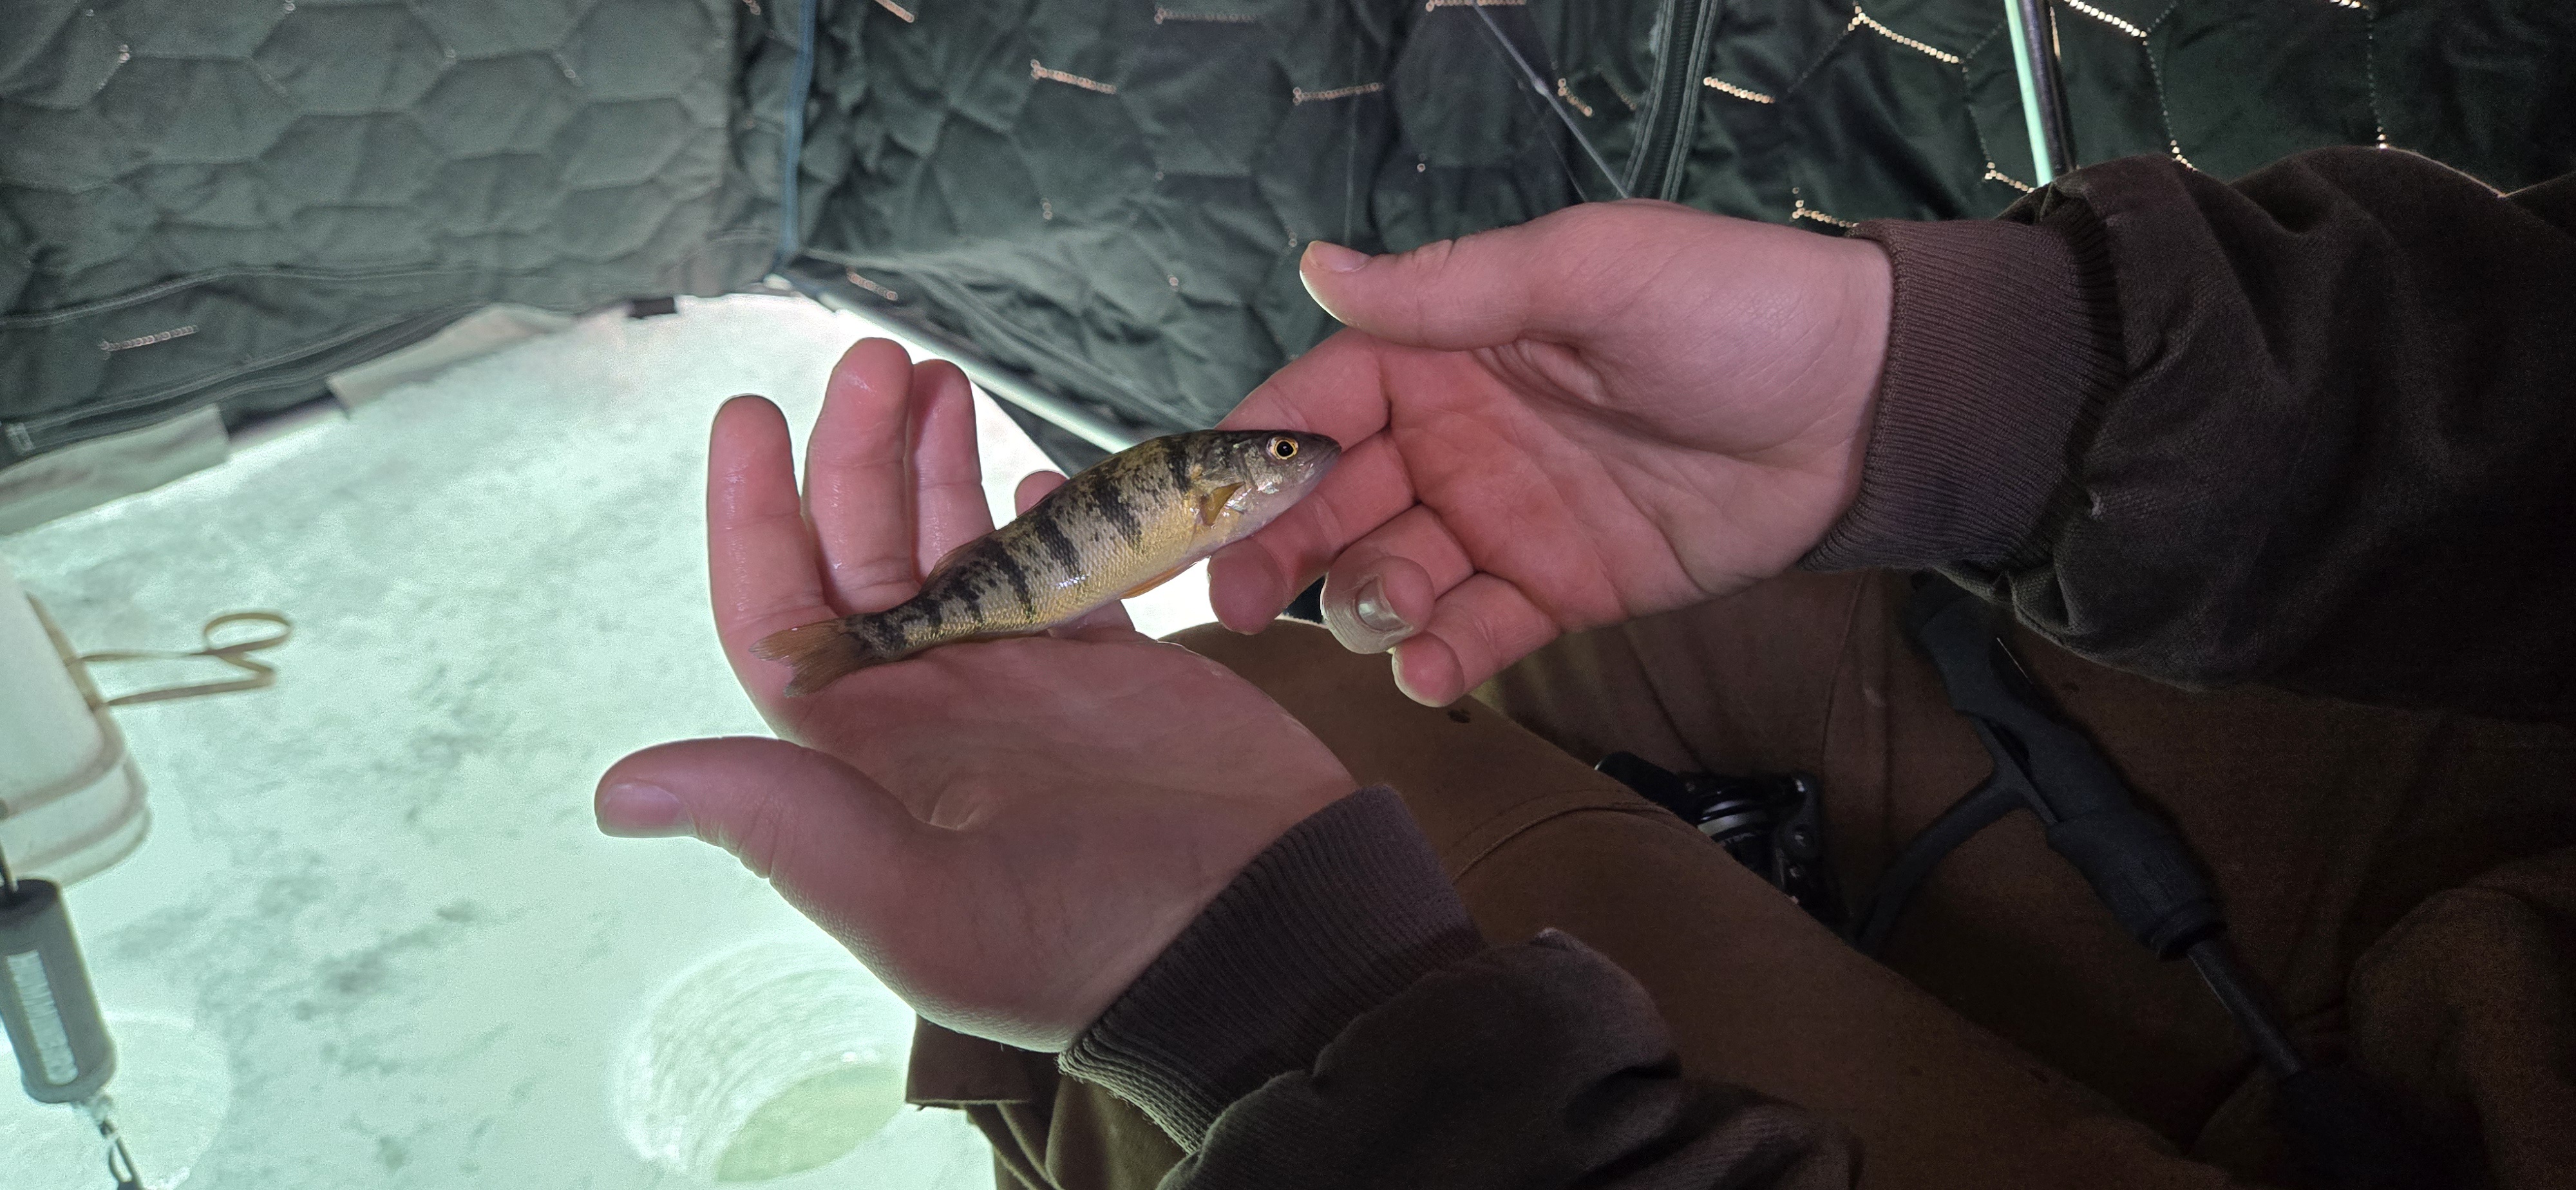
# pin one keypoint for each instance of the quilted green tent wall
(220, 202)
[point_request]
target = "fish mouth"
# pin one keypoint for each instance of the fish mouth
(1326, 452)
(1327, 455)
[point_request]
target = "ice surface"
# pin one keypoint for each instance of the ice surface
(374, 891)
(172, 1091)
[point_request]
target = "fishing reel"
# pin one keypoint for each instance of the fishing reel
(1772, 823)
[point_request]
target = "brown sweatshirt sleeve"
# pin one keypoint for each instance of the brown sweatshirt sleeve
(1333, 1019)
(2310, 428)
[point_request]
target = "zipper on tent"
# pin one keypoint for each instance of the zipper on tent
(1655, 171)
(791, 139)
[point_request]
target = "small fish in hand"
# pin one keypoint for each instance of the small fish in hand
(1119, 528)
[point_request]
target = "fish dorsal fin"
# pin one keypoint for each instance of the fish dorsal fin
(1213, 503)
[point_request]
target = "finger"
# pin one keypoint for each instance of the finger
(1475, 630)
(858, 479)
(1481, 290)
(1033, 487)
(1382, 589)
(761, 564)
(1338, 389)
(1386, 605)
(1108, 625)
(1109, 621)
(1419, 534)
(839, 845)
(1249, 581)
(947, 470)
(1104, 621)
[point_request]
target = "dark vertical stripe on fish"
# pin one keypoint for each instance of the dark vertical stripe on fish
(1112, 504)
(889, 637)
(1011, 572)
(1180, 465)
(972, 591)
(1052, 536)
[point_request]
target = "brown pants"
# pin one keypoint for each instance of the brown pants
(2015, 1036)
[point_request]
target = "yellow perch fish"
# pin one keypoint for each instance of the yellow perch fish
(1118, 528)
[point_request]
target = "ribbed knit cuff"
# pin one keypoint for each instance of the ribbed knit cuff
(1340, 914)
(2001, 340)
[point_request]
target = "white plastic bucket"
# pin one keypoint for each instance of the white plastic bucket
(71, 802)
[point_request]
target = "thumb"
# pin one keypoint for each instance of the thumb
(831, 839)
(1480, 290)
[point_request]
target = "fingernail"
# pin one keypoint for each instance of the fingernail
(1335, 258)
(1373, 608)
(1406, 687)
(635, 810)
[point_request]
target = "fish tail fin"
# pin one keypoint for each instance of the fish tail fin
(823, 652)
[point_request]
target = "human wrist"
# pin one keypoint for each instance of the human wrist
(1849, 390)
(1342, 912)
(1998, 339)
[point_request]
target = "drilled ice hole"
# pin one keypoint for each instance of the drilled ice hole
(762, 1062)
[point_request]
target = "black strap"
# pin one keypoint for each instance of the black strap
(2135, 863)
(2342, 1133)
(1982, 807)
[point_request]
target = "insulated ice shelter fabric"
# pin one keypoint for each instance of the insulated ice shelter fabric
(1112, 194)
(219, 201)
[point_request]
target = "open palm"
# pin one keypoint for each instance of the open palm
(1008, 832)
(1615, 410)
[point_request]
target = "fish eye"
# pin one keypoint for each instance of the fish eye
(1283, 448)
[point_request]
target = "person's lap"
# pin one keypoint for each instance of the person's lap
(1806, 672)
(2321, 822)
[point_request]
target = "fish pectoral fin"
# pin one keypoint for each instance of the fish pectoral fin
(1212, 504)
(1156, 581)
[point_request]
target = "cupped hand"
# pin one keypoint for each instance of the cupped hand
(1614, 410)
(1006, 832)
